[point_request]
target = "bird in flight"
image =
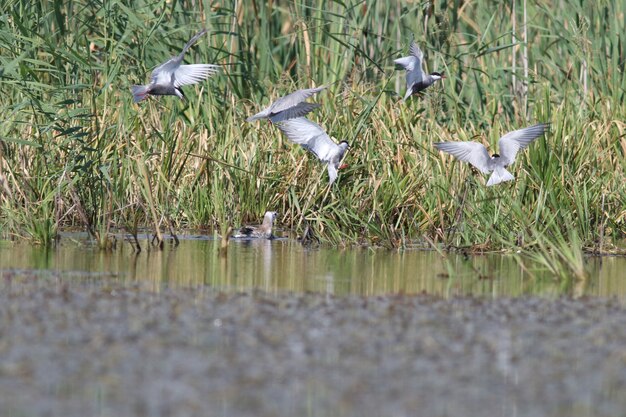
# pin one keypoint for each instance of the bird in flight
(167, 78)
(289, 107)
(509, 144)
(312, 137)
(416, 79)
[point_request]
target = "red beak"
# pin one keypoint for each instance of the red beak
(343, 166)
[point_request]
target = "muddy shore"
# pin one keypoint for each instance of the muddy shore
(102, 347)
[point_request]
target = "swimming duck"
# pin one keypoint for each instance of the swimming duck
(264, 231)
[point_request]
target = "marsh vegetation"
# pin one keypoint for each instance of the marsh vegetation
(76, 151)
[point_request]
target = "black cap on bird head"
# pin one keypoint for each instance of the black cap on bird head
(495, 155)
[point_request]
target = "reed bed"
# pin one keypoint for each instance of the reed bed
(76, 151)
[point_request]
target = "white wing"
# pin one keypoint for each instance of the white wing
(512, 142)
(310, 136)
(472, 152)
(194, 73)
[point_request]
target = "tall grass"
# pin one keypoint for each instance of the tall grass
(75, 150)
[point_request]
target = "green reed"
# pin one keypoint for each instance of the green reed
(75, 150)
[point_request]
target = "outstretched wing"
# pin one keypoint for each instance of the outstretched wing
(416, 51)
(299, 110)
(163, 73)
(293, 99)
(194, 73)
(292, 104)
(413, 66)
(512, 142)
(472, 152)
(191, 42)
(310, 136)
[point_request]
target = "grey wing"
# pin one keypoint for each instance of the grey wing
(164, 72)
(416, 51)
(299, 110)
(191, 42)
(260, 115)
(294, 98)
(310, 136)
(194, 73)
(414, 73)
(416, 76)
(512, 142)
(472, 152)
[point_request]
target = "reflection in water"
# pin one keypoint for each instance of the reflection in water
(283, 265)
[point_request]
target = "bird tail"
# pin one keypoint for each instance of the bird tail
(332, 173)
(140, 92)
(499, 175)
(409, 93)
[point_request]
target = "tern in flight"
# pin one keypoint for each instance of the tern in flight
(416, 79)
(312, 137)
(509, 144)
(167, 78)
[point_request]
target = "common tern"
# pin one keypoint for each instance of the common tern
(312, 137)
(509, 144)
(289, 107)
(167, 78)
(416, 79)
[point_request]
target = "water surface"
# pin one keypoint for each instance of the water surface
(286, 265)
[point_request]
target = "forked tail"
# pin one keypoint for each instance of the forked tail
(140, 92)
(499, 175)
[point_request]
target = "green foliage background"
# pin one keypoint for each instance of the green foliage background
(75, 150)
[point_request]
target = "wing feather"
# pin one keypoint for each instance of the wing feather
(191, 42)
(299, 110)
(310, 136)
(512, 142)
(413, 66)
(194, 73)
(472, 152)
(164, 73)
(293, 99)
(416, 51)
